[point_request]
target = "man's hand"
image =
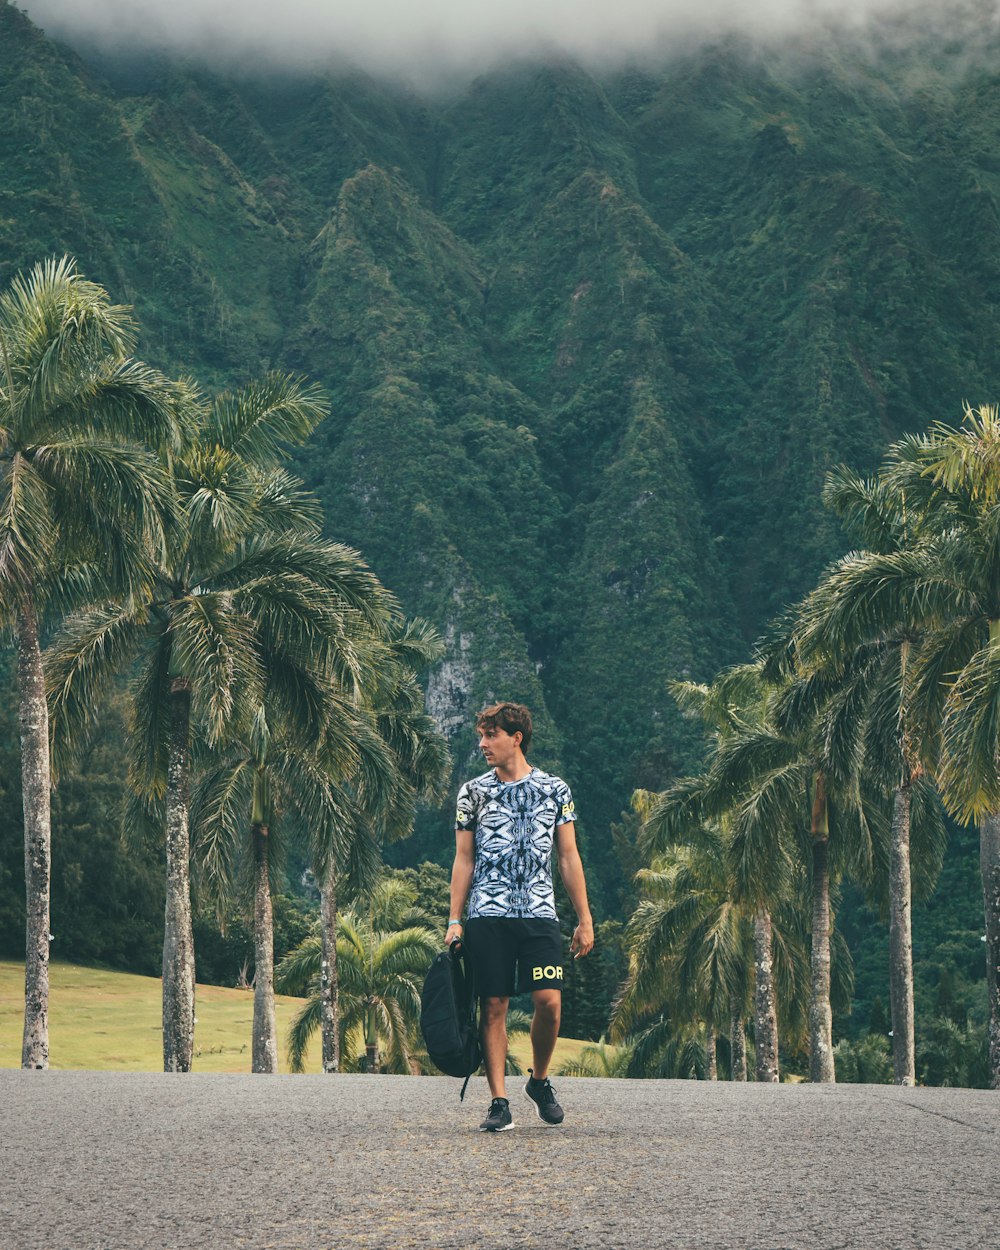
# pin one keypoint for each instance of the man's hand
(453, 933)
(583, 939)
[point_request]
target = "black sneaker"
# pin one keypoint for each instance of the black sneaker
(499, 1118)
(543, 1096)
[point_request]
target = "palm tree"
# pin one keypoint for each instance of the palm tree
(695, 953)
(318, 774)
(733, 707)
(795, 777)
(246, 797)
(82, 506)
(888, 731)
(788, 782)
(381, 802)
(598, 1059)
(382, 959)
(943, 583)
(690, 946)
(243, 583)
(662, 1049)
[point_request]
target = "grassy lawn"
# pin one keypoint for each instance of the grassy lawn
(111, 1021)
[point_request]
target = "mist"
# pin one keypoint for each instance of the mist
(453, 36)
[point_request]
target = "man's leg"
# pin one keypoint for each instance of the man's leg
(544, 1030)
(493, 1032)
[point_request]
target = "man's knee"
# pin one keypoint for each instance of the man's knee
(493, 1009)
(548, 1004)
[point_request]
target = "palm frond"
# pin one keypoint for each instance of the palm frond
(143, 821)
(114, 501)
(662, 1050)
(293, 614)
(419, 751)
(889, 726)
(800, 701)
(326, 813)
(363, 864)
(944, 653)
(91, 649)
(297, 971)
(764, 825)
(598, 1059)
(305, 703)
(741, 762)
(263, 419)
(970, 732)
(213, 647)
(871, 509)
(75, 585)
(119, 399)
(967, 460)
(867, 594)
(331, 566)
(405, 952)
(149, 720)
(304, 1025)
(928, 837)
(678, 814)
(219, 494)
(284, 504)
(220, 819)
(55, 325)
(27, 527)
(843, 729)
(416, 645)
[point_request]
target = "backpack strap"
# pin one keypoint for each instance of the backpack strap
(457, 950)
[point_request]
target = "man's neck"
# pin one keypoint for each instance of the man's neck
(516, 770)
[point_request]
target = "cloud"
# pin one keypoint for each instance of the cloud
(392, 35)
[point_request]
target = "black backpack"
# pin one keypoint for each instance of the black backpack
(449, 1015)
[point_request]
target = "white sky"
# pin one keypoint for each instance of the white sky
(393, 34)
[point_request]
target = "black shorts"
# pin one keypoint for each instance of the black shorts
(514, 954)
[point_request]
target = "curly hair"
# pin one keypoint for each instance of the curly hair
(512, 718)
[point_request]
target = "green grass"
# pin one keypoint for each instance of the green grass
(567, 1048)
(110, 1021)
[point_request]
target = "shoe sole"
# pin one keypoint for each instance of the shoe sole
(503, 1129)
(538, 1111)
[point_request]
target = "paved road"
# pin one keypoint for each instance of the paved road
(108, 1161)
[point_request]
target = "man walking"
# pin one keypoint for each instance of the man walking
(508, 821)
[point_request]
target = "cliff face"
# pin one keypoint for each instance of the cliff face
(592, 342)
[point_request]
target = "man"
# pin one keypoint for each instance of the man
(508, 821)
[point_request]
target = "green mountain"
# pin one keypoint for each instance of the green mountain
(592, 340)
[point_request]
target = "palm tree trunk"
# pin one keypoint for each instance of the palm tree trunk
(178, 935)
(36, 783)
(820, 1014)
(901, 941)
(989, 863)
(711, 1054)
(371, 1041)
(737, 1045)
(265, 1041)
(765, 1006)
(329, 981)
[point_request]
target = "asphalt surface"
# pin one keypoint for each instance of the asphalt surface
(108, 1161)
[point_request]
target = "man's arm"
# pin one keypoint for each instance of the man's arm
(571, 871)
(461, 881)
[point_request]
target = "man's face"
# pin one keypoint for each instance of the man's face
(499, 747)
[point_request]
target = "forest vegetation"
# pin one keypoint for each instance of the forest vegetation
(588, 349)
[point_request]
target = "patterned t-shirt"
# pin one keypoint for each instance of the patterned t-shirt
(514, 824)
